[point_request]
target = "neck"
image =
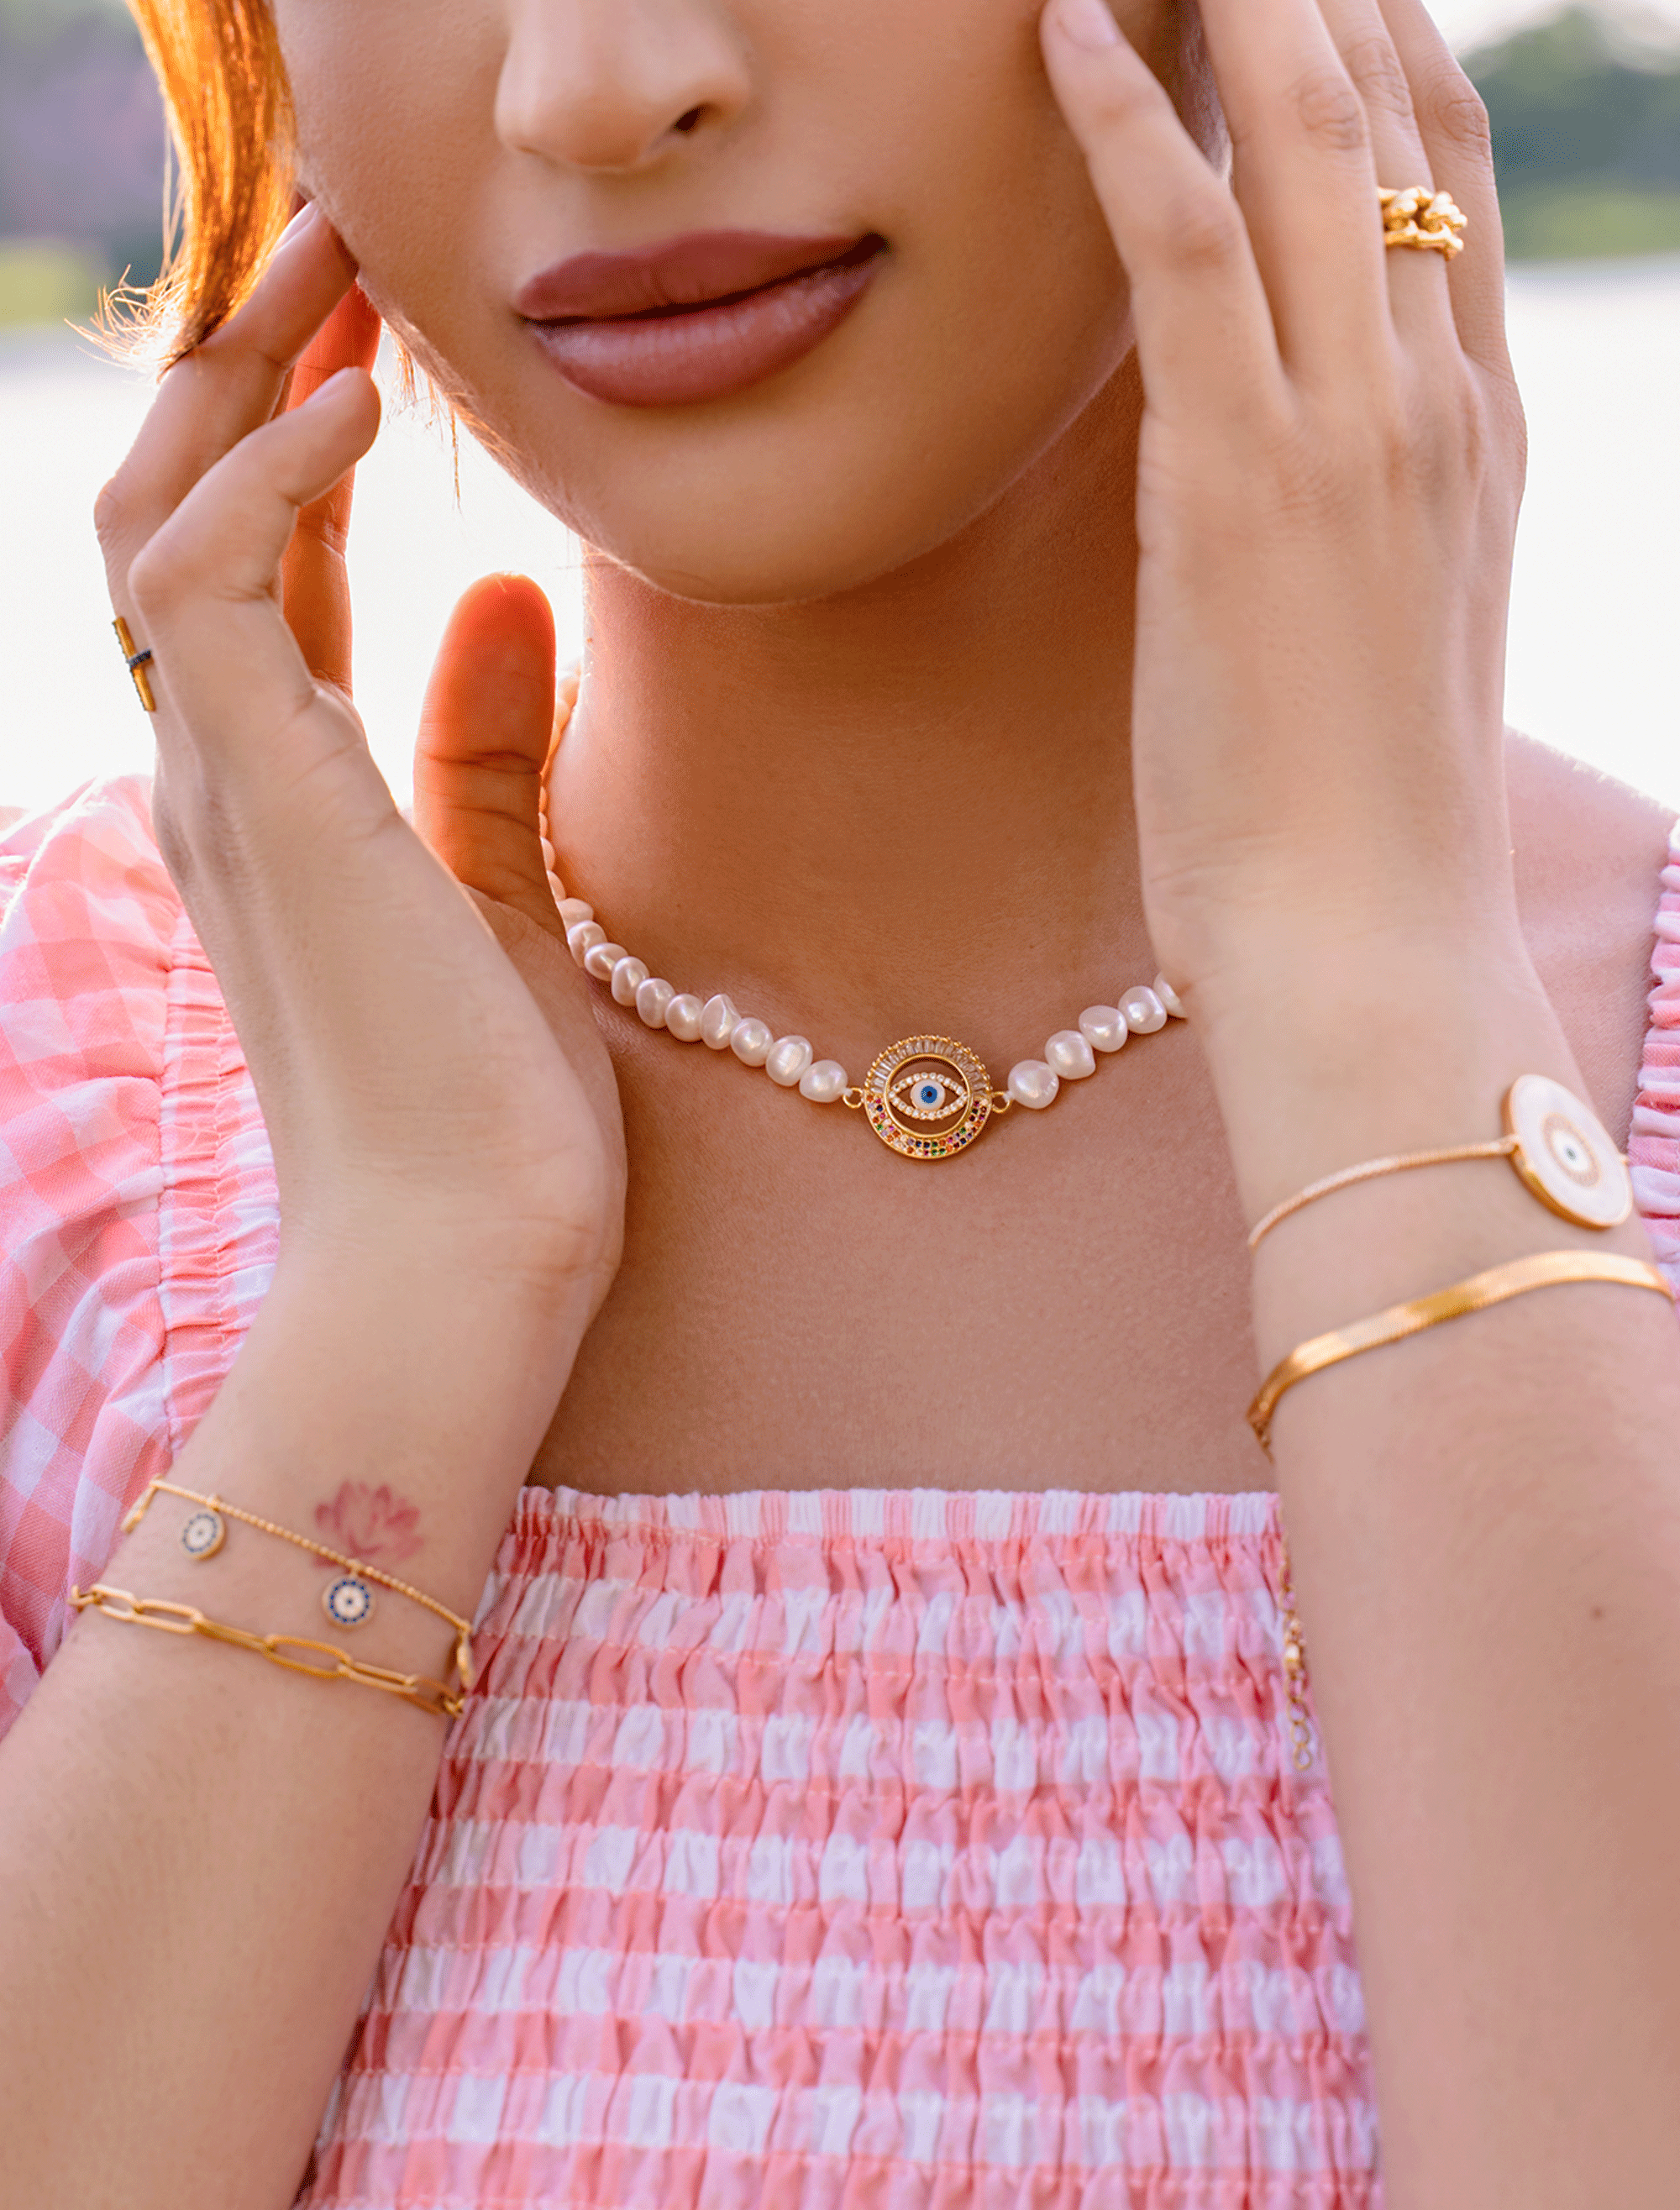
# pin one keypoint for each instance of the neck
(906, 808)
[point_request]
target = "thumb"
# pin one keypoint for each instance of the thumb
(485, 732)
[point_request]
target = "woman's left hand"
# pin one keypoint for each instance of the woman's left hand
(1331, 466)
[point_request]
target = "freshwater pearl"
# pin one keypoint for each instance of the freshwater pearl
(1033, 1084)
(581, 938)
(789, 1059)
(1104, 1026)
(653, 1001)
(824, 1083)
(1069, 1057)
(1144, 1010)
(628, 977)
(750, 1041)
(600, 959)
(549, 860)
(717, 1022)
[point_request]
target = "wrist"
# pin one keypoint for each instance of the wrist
(1353, 1052)
(447, 1263)
(435, 1381)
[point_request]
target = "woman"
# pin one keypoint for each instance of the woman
(1021, 562)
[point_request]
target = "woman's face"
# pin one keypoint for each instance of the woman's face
(931, 296)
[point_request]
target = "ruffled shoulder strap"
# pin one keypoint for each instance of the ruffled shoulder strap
(1653, 1148)
(138, 1220)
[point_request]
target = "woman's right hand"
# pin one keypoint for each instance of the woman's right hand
(429, 1068)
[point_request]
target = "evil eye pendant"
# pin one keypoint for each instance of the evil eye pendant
(927, 1097)
(204, 1534)
(347, 1602)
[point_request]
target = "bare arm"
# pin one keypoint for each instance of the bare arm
(200, 1852)
(1485, 1529)
(1485, 1519)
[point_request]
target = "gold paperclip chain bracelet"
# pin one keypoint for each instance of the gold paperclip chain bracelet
(433, 1696)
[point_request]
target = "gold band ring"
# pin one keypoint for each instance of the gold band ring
(1426, 221)
(139, 659)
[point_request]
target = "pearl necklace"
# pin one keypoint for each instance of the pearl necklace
(926, 1097)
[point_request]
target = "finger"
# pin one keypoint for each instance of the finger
(220, 392)
(1205, 330)
(1419, 294)
(1302, 173)
(485, 730)
(1453, 126)
(316, 584)
(227, 667)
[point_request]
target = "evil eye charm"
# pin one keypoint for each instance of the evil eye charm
(925, 1095)
(349, 1602)
(1565, 1155)
(929, 1097)
(204, 1534)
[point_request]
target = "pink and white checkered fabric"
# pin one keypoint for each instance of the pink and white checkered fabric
(1653, 1147)
(839, 1851)
(136, 1199)
(853, 1851)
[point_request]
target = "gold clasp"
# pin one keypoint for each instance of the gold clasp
(1295, 1671)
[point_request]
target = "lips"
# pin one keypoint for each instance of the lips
(698, 318)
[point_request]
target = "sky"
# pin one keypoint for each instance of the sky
(1472, 22)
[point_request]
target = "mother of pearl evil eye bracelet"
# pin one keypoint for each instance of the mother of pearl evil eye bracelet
(926, 1097)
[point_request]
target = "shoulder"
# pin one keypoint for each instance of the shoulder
(1590, 854)
(137, 1213)
(88, 922)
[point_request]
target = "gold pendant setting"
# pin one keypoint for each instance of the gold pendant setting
(927, 1097)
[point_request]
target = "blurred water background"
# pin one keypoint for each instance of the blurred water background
(1587, 117)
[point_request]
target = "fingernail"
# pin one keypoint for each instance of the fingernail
(336, 382)
(306, 213)
(1086, 23)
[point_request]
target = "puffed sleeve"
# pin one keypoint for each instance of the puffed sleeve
(1653, 1148)
(137, 1214)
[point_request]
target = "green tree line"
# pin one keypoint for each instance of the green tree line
(1586, 138)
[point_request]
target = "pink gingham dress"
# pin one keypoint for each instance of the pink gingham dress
(837, 1851)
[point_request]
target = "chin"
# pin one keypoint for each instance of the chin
(777, 502)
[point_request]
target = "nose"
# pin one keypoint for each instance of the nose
(616, 85)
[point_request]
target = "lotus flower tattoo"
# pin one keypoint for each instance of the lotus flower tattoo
(372, 1524)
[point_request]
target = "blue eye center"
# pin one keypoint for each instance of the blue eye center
(925, 1094)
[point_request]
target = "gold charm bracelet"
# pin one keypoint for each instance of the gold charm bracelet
(347, 1602)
